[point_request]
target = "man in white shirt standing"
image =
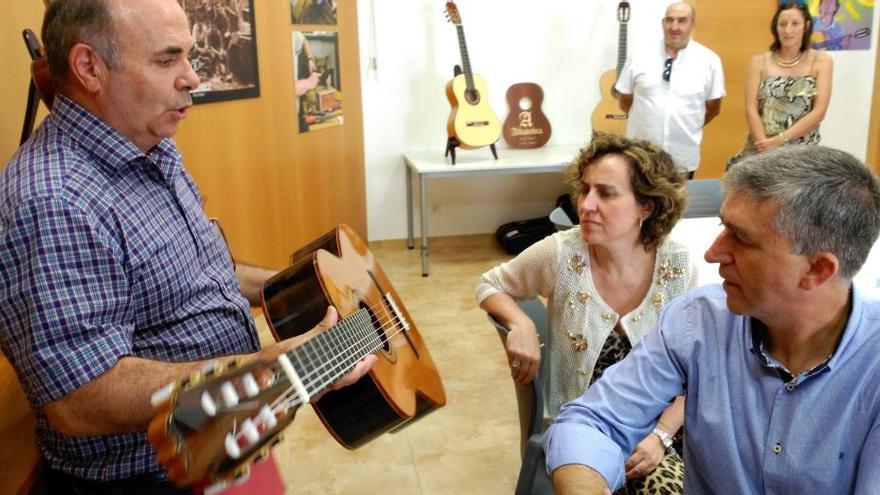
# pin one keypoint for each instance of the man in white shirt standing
(672, 92)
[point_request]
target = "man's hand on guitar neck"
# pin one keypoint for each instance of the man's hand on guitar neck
(330, 318)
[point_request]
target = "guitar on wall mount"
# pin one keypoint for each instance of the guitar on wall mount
(608, 116)
(215, 424)
(472, 123)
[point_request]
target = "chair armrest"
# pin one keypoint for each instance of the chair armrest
(533, 478)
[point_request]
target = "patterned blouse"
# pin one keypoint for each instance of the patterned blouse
(782, 101)
(558, 268)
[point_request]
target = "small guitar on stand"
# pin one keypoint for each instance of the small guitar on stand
(526, 126)
(472, 123)
(607, 116)
(212, 426)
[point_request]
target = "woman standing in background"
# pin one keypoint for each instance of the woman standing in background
(788, 87)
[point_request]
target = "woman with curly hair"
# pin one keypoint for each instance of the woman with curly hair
(605, 282)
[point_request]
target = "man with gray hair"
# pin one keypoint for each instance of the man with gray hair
(113, 282)
(779, 364)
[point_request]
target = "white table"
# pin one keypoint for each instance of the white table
(426, 165)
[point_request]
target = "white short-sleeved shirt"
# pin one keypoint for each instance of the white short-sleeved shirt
(671, 114)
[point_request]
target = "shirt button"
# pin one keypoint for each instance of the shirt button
(789, 386)
(777, 448)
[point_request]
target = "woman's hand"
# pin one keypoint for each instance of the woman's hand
(769, 143)
(645, 458)
(523, 352)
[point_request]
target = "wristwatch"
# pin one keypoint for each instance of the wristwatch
(665, 439)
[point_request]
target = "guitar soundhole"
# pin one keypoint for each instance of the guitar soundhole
(472, 96)
(383, 324)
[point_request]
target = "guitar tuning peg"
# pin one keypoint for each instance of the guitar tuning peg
(242, 474)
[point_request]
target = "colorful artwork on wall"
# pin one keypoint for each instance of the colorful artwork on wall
(840, 24)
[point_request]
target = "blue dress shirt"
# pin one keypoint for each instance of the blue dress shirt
(747, 430)
(105, 252)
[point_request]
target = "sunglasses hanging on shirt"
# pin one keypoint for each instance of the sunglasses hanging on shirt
(667, 69)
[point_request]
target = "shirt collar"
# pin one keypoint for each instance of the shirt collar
(681, 53)
(758, 333)
(108, 146)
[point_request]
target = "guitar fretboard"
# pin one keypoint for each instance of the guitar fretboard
(621, 48)
(465, 61)
(327, 356)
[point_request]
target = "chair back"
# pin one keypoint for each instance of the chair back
(533, 477)
(704, 198)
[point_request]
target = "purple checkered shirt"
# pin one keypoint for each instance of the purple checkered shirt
(106, 252)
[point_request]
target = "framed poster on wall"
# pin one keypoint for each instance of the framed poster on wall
(313, 12)
(224, 52)
(317, 79)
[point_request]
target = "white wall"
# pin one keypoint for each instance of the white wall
(562, 45)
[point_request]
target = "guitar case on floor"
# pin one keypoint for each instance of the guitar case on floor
(514, 237)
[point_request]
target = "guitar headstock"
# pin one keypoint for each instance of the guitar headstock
(623, 12)
(452, 13)
(215, 424)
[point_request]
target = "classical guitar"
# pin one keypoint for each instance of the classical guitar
(526, 126)
(607, 116)
(215, 424)
(471, 120)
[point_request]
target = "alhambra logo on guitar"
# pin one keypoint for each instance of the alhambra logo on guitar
(526, 126)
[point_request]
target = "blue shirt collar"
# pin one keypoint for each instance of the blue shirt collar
(758, 334)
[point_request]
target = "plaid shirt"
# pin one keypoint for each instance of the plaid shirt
(105, 252)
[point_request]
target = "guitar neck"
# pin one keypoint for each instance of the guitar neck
(465, 61)
(329, 355)
(621, 47)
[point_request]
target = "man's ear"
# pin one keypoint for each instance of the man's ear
(823, 266)
(86, 67)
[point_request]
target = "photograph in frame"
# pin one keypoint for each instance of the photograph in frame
(224, 53)
(317, 79)
(313, 12)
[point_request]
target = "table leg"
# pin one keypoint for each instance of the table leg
(409, 209)
(423, 201)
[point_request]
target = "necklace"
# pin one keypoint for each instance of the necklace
(787, 63)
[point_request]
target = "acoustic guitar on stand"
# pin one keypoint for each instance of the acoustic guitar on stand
(212, 426)
(608, 116)
(472, 123)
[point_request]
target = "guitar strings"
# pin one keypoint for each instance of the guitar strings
(288, 398)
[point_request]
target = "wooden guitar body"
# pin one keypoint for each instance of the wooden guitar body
(214, 424)
(338, 269)
(471, 120)
(526, 126)
(607, 116)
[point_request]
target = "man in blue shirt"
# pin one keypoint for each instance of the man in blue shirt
(779, 365)
(113, 282)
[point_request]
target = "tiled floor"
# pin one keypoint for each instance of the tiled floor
(469, 446)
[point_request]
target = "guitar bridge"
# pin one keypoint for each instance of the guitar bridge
(477, 123)
(404, 325)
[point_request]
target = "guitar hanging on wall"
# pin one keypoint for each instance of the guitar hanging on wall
(472, 123)
(607, 116)
(215, 424)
